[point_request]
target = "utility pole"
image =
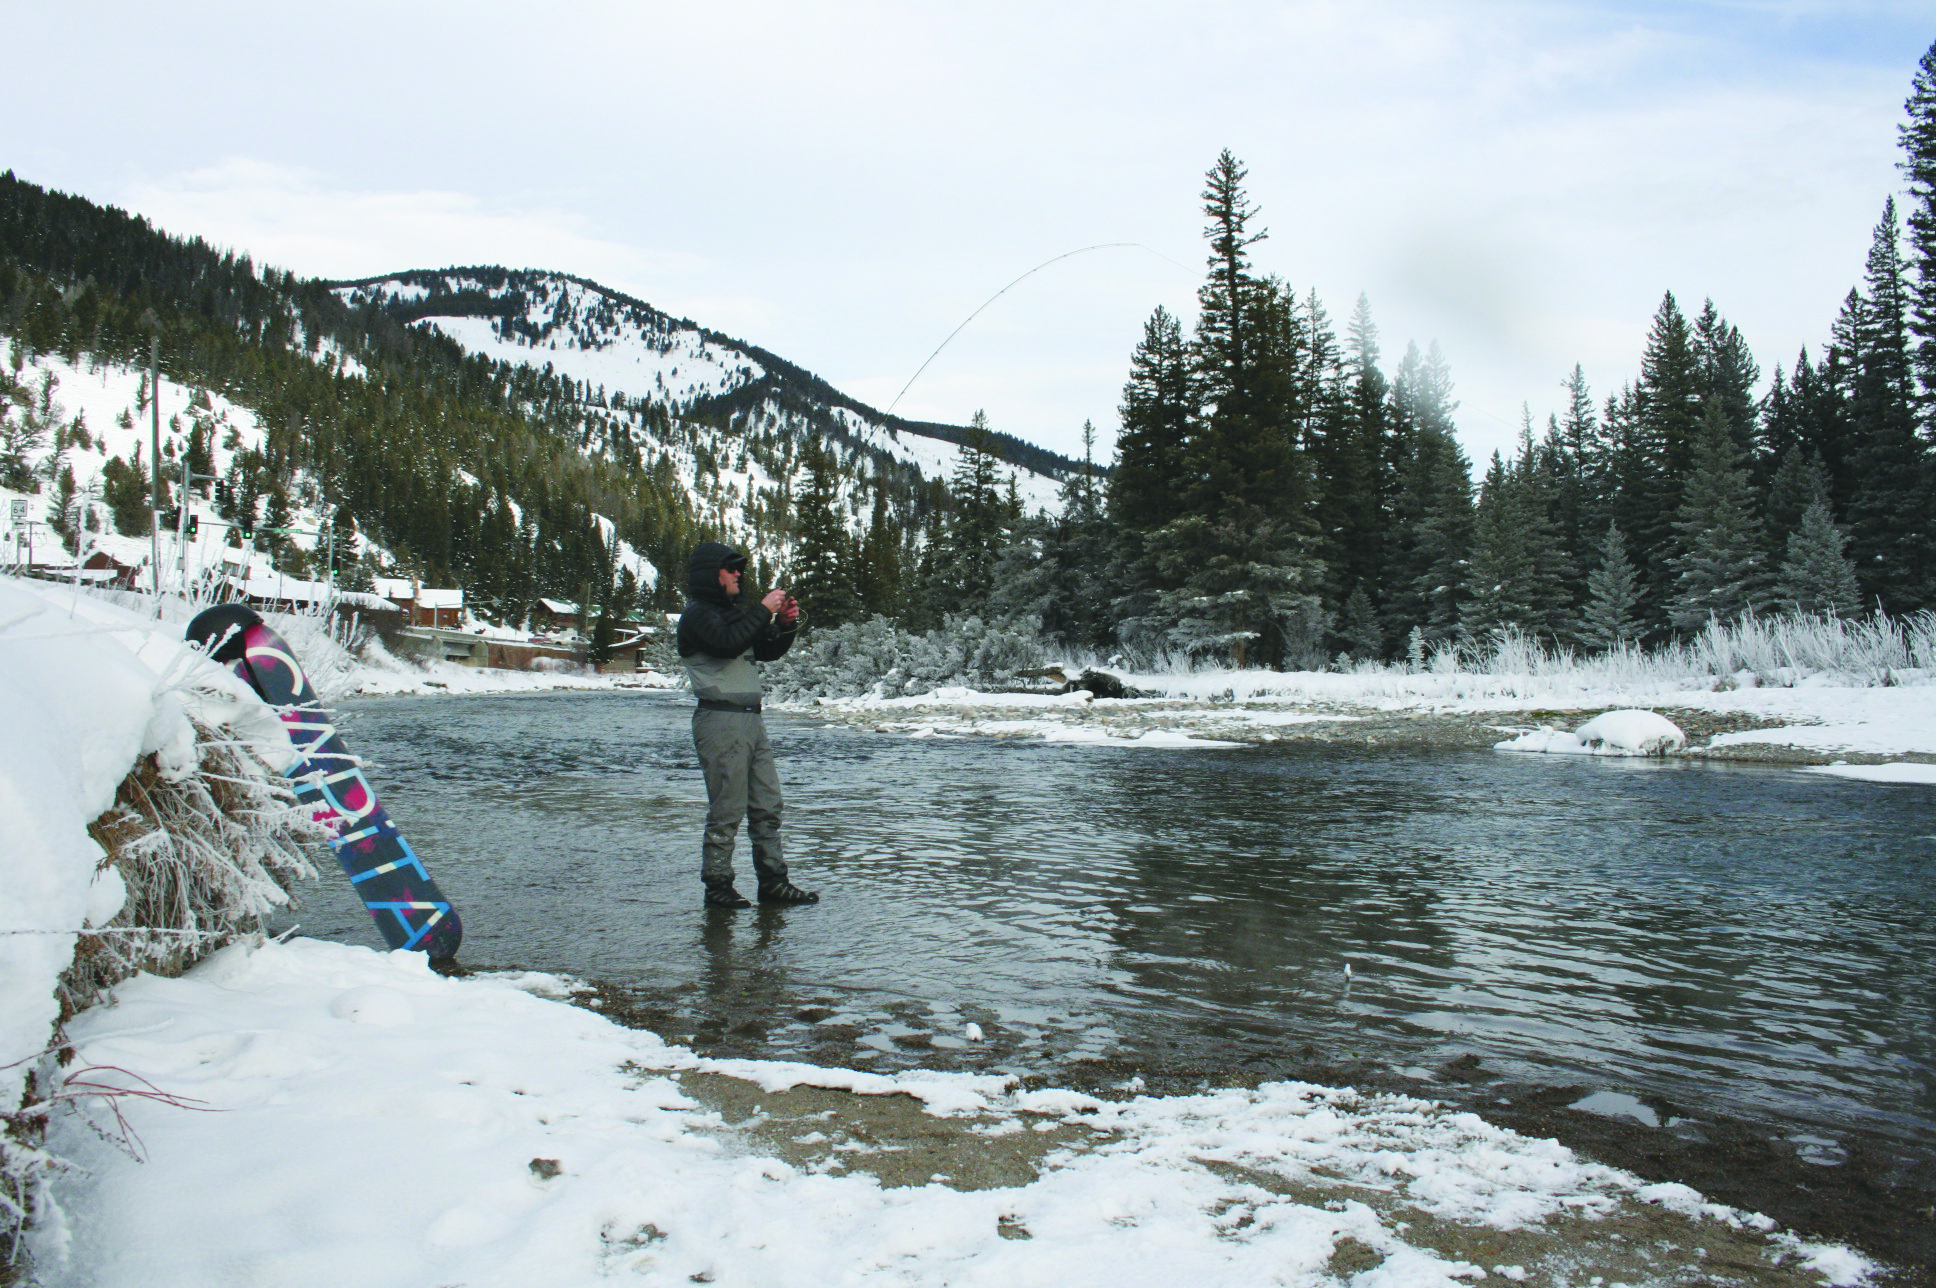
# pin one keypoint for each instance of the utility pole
(83, 510)
(188, 479)
(154, 456)
(17, 516)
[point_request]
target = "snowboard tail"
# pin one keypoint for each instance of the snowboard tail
(409, 910)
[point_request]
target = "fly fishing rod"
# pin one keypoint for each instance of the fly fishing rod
(1067, 254)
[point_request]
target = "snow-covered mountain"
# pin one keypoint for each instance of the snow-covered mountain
(626, 352)
(597, 337)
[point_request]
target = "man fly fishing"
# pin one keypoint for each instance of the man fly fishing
(720, 639)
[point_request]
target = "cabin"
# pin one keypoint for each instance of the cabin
(423, 605)
(555, 616)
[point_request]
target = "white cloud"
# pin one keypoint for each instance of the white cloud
(295, 218)
(843, 183)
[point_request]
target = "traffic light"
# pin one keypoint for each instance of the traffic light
(194, 525)
(222, 493)
(171, 516)
(247, 524)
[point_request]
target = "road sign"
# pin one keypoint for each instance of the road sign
(17, 509)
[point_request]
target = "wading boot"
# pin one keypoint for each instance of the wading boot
(781, 890)
(720, 894)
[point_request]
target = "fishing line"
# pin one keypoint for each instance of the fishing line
(1083, 250)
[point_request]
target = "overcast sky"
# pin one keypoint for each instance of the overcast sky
(844, 183)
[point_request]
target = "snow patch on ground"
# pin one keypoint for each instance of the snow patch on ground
(549, 1146)
(1899, 771)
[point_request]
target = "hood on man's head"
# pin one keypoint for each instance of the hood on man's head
(702, 570)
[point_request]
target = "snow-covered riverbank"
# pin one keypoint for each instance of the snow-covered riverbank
(1817, 722)
(315, 1114)
(354, 1118)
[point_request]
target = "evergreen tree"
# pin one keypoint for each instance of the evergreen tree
(1889, 518)
(1429, 581)
(1518, 566)
(1918, 138)
(1728, 373)
(1233, 575)
(61, 513)
(197, 454)
(1158, 411)
(1231, 323)
(1720, 565)
(1608, 620)
(275, 517)
(1360, 636)
(125, 492)
(878, 573)
(822, 576)
(1666, 417)
(625, 596)
(1810, 411)
(1078, 550)
(1250, 600)
(1243, 457)
(1029, 576)
(1799, 482)
(22, 431)
(1817, 576)
(341, 540)
(1574, 463)
(977, 527)
(1348, 452)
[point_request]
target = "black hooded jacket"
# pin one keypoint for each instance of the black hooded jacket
(715, 625)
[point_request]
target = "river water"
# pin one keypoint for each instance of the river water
(1757, 943)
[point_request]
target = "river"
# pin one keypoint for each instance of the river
(1715, 941)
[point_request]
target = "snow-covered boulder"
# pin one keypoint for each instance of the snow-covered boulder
(1612, 733)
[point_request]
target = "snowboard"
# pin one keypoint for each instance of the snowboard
(409, 909)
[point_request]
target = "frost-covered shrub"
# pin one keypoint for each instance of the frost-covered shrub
(204, 850)
(205, 857)
(877, 657)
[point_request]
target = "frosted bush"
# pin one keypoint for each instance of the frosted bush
(204, 850)
(878, 658)
(204, 858)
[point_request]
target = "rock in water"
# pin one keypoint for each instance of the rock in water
(1612, 733)
(1631, 733)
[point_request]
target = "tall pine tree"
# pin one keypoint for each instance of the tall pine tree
(823, 577)
(1720, 565)
(1889, 518)
(1918, 138)
(1429, 577)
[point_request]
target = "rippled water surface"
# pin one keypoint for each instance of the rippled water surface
(1755, 941)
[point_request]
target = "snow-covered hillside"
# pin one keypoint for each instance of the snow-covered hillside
(94, 412)
(101, 412)
(600, 339)
(615, 345)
